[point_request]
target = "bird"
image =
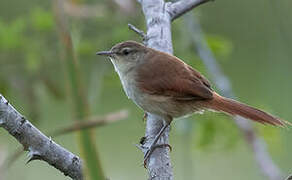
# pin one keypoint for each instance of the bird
(162, 84)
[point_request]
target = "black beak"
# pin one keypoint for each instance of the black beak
(105, 53)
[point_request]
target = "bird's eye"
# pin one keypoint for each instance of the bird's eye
(126, 51)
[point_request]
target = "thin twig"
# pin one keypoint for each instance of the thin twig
(257, 144)
(80, 105)
(138, 31)
(183, 6)
(77, 126)
(158, 37)
(40, 147)
(91, 123)
(158, 16)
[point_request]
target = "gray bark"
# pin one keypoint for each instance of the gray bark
(181, 7)
(158, 16)
(39, 146)
(158, 37)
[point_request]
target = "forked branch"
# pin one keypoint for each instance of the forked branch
(92, 122)
(40, 147)
(183, 6)
(158, 16)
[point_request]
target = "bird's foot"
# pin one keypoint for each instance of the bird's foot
(151, 149)
(153, 144)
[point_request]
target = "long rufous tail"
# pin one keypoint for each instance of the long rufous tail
(232, 107)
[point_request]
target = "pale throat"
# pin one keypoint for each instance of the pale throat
(126, 77)
(121, 68)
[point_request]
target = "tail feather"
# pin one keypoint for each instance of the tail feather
(232, 107)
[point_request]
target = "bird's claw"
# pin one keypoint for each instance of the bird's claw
(151, 149)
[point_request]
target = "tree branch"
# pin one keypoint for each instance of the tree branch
(256, 143)
(91, 123)
(158, 16)
(289, 177)
(138, 31)
(158, 37)
(39, 146)
(183, 6)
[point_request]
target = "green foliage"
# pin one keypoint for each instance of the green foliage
(208, 134)
(219, 45)
(80, 106)
(121, 34)
(270, 134)
(42, 20)
(11, 34)
(30, 55)
(3, 86)
(32, 61)
(86, 48)
(216, 130)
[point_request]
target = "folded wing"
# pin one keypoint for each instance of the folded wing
(172, 77)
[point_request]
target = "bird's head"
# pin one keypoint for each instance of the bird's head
(125, 56)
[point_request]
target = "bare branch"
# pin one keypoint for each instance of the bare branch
(158, 25)
(183, 6)
(158, 37)
(138, 31)
(289, 177)
(158, 16)
(91, 123)
(256, 143)
(39, 146)
(77, 126)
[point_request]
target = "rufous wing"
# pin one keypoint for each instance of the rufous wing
(165, 75)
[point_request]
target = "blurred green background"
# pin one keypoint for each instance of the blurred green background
(251, 40)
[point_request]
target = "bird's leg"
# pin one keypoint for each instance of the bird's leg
(154, 145)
